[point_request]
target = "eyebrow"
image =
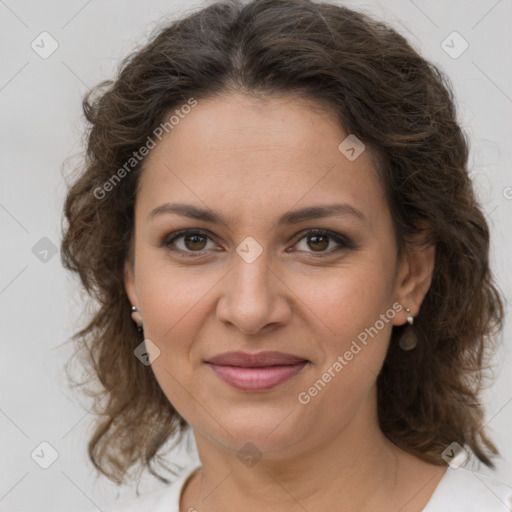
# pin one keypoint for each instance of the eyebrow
(292, 217)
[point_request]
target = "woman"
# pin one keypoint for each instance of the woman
(276, 220)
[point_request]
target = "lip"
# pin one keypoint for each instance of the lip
(256, 372)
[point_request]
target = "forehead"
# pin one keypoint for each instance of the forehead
(235, 154)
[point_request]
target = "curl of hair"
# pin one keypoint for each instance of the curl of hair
(382, 91)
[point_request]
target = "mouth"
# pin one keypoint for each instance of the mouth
(256, 372)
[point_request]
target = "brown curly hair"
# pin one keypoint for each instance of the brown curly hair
(382, 91)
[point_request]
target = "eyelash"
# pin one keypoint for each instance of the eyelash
(341, 240)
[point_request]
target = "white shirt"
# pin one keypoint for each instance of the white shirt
(460, 490)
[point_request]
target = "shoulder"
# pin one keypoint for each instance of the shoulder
(166, 499)
(463, 490)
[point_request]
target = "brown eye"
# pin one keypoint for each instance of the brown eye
(318, 242)
(194, 242)
(187, 242)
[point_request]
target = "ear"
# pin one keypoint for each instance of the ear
(129, 282)
(414, 276)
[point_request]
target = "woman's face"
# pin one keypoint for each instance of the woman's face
(255, 284)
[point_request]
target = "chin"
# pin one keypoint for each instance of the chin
(270, 431)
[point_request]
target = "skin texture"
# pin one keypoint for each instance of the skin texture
(252, 161)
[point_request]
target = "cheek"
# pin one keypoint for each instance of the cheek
(173, 298)
(361, 316)
(175, 303)
(352, 307)
(348, 299)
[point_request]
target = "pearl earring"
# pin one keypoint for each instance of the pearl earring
(408, 340)
(137, 318)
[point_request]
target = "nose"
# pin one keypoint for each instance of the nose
(254, 296)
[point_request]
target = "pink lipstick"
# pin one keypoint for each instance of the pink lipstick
(256, 372)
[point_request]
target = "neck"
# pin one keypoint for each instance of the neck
(356, 469)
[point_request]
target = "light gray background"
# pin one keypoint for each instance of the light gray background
(41, 127)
